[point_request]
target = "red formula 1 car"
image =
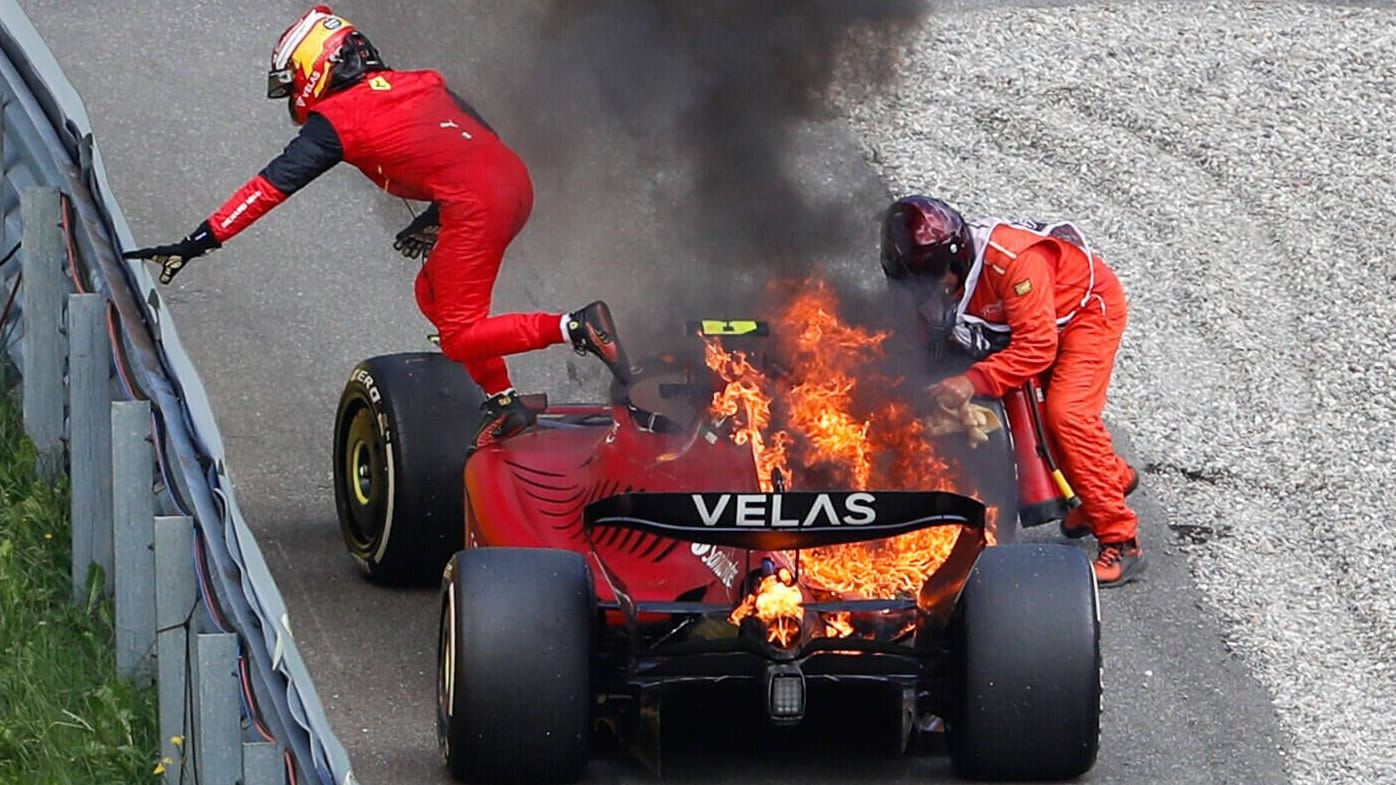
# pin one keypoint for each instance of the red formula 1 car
(598, 566)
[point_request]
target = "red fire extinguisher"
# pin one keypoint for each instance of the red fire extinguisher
(1044, 495)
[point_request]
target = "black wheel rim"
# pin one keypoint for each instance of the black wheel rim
(365, 479)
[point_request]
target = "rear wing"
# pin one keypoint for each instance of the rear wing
(784, 521)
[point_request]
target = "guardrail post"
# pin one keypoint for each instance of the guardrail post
(4, 173)
(89, 441)
(175, 595)
(41, 263)
(218, 720)
(5, 381)
(133, 516)
(4, 229)
(261, 764)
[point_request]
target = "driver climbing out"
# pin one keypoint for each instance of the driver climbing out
(1031, 301)
(415, 139)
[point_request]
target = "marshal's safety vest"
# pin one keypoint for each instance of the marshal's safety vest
(981, 334)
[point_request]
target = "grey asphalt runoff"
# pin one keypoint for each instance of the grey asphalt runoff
(1233, 160)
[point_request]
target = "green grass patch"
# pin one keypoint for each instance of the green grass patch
(64, 715)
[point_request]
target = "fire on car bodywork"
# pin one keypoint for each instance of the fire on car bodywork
(826, 415)
(775, 517)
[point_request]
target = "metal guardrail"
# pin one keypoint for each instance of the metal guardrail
(111, 396)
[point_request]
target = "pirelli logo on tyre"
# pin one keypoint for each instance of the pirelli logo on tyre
(364, 379)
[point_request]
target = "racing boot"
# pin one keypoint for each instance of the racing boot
(506, 414)
(593, 331)
(1074, 526)
(1118, 563)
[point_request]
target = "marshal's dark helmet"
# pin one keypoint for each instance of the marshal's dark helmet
(926, 238)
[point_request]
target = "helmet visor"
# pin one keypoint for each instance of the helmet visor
(930, 261)
(279, 83)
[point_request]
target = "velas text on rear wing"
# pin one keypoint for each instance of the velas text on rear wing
(791, 519)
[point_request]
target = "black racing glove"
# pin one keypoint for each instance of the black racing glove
(938, 317)
(171, 258)
(978, 341)
(420, 235)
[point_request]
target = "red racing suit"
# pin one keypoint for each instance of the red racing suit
(1064, 312)
(416, 139)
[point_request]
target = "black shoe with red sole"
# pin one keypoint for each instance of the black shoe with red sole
(593, 331)
(506, 414)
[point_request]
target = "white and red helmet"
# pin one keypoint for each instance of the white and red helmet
(319, 53)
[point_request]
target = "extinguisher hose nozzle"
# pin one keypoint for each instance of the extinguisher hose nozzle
(1072, 500)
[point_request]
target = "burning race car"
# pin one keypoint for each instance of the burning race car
(768, 512)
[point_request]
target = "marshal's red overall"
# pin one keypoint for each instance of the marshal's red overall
(1032, 302)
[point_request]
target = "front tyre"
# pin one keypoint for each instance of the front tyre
(514, 665)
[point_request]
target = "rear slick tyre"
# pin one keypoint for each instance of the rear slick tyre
(515, 665)
(1025, 686)
(402, 430)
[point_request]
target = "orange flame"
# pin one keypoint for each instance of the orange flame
(777, 602)
(825, 352)
(744, 395)
(838, 625)
(843, 422)
(895, 567)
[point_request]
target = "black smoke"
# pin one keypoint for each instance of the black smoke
(684, 155)
(724, 86)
